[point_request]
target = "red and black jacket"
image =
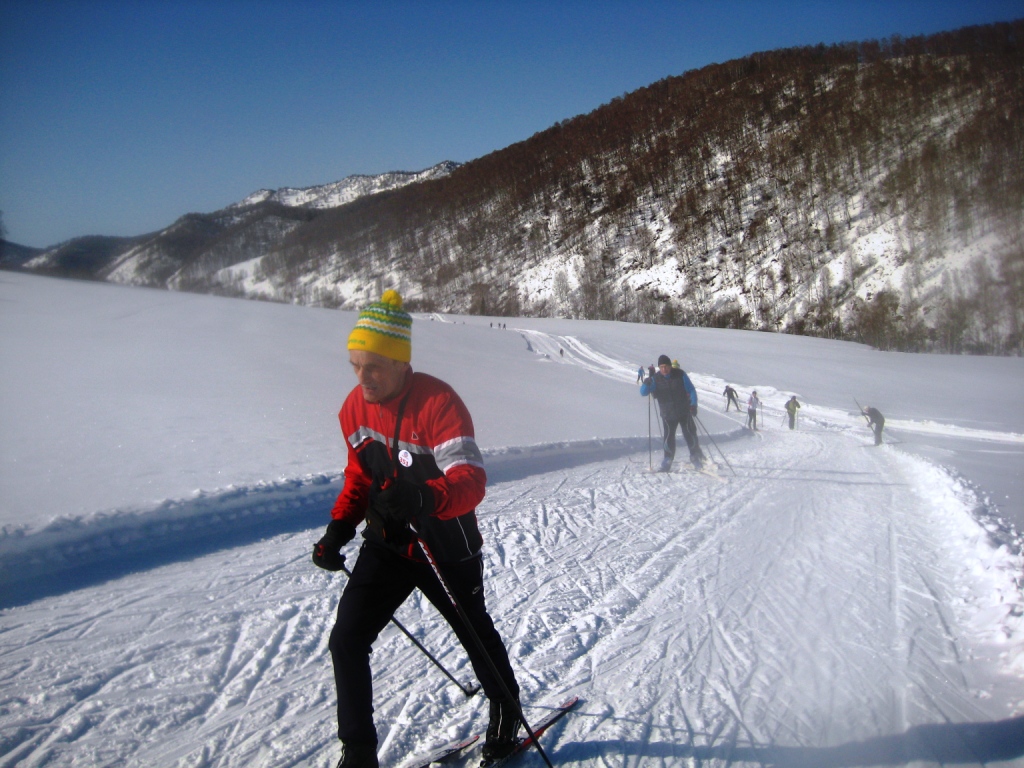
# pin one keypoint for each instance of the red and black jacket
(438, 448)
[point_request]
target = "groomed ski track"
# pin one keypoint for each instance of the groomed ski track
(818, 601)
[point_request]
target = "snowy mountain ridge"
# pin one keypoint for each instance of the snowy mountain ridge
(182, 256)
(345, 191)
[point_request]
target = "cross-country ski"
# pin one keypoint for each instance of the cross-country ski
(443, 754)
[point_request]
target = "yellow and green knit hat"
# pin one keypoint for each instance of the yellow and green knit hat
(384, 328)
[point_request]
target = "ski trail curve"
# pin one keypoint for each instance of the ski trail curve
(568, 350)
(842, 602)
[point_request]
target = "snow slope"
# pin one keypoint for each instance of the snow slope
(167, 461)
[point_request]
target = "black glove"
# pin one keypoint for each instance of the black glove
(401, 503)
(693, 410)
(327, 551)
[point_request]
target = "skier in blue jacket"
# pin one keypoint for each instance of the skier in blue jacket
(677, 403)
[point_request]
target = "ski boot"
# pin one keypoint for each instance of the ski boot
(502, 731)
(358, 754)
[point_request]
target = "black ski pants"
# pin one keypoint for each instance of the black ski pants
(732, 400)
(381, 581)
(689, 429)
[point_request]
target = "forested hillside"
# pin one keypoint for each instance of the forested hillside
(872, 191)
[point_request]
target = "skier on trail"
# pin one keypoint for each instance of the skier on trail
(414, 474)
(677, 402)
(640, 375)
(730, 395)
(792, 406)
(752, 404)
(876, 421)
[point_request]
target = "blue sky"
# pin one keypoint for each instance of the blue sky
(118, 117)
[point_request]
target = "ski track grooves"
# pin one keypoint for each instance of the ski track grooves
(695, 618)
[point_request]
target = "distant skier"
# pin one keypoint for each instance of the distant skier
(752, 404)
(640, 375)
(792, 406)
(677, 402)
(875, 422)
(730, 395)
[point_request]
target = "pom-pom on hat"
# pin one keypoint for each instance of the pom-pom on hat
(384, 328)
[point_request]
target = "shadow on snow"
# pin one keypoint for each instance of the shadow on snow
(945, 743)
(71, 554)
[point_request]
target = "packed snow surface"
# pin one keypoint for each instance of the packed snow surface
(168, 461)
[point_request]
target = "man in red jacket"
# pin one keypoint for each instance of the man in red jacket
(415, 475)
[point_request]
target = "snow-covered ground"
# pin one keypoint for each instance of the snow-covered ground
(167, 460)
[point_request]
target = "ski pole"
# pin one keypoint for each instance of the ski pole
(650, 449)
(470, 691)
(697, 419)
(661, 427)
(867, 419)
(480, 644)
(861, 409)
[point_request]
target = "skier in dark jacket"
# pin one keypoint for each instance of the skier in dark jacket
(677, 403)
(730, 395)
(875, 422)
(416, 476)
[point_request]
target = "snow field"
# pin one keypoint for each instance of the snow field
(821, 605)
(794, 605)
